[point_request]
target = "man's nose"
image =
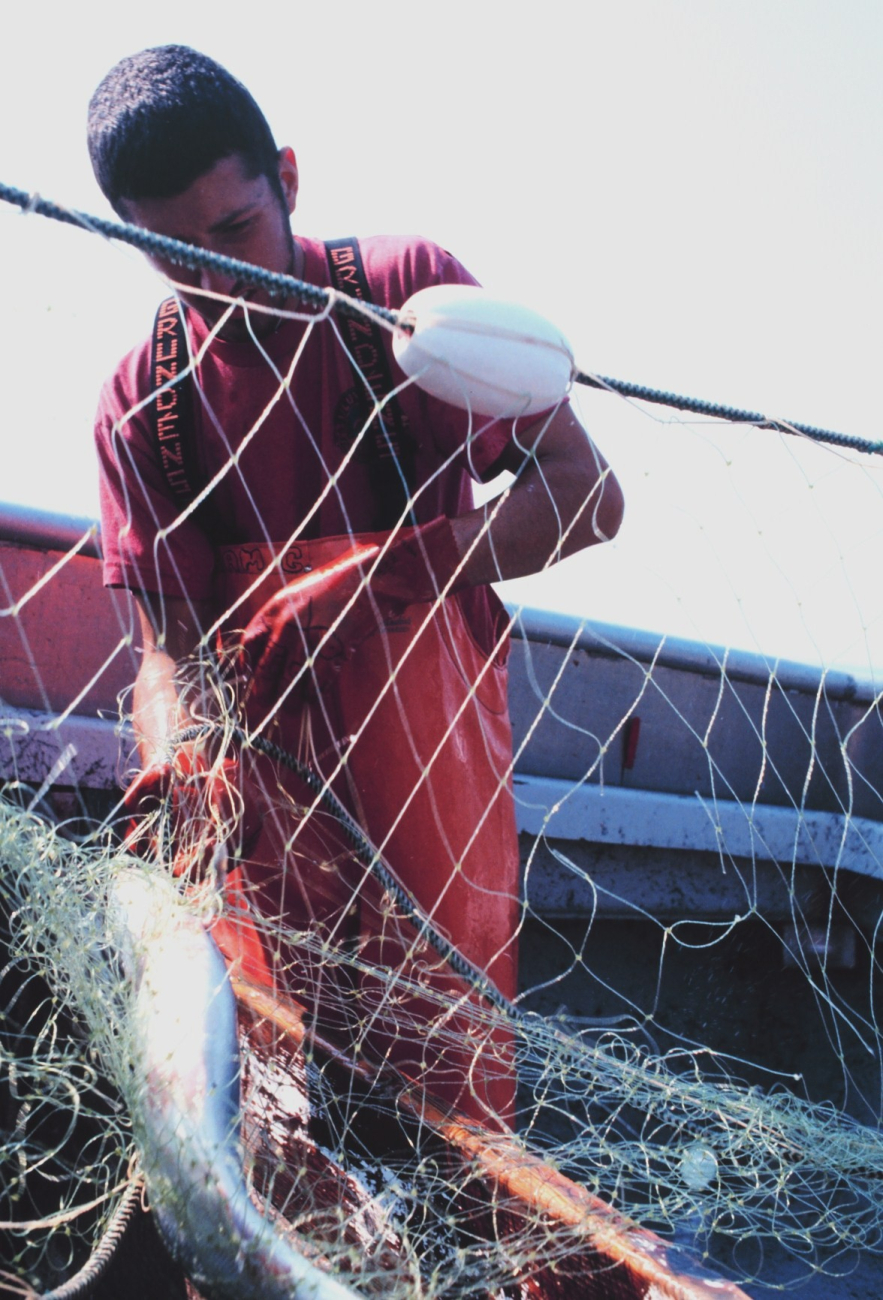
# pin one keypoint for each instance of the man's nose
(214, 281)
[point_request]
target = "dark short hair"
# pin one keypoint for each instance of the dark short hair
(164, 117)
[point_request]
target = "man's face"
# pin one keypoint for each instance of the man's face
(228, 212)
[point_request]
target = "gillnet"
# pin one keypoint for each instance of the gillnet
(685, 1083)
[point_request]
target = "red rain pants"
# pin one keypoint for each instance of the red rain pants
(413, 736)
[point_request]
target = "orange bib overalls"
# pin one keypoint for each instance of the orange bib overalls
(413, 736)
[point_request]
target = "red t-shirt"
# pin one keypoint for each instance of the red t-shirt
(281, 444)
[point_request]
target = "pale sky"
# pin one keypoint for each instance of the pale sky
(692, 190)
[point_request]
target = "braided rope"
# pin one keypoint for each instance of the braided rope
(84, 1282)
(188, 255)
(312, 296)
(716, 410)
(371, 858)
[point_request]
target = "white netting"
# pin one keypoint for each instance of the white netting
(696, 1035)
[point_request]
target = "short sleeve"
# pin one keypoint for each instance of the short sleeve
(480, 446)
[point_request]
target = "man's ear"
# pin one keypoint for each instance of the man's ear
(288, 176)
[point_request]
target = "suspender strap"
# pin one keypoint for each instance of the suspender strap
(391, 448)
(172, 407)
(391, 459)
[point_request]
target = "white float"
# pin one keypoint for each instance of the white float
(488, 356)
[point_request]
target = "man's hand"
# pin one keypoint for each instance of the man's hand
(322, 618)
(188, 807)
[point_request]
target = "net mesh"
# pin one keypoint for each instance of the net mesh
(694, 1037)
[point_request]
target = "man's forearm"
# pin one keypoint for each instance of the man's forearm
(565, 499)
(158, 712)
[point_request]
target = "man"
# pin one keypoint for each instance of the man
(356, 614)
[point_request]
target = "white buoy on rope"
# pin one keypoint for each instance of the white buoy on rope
(483, 354)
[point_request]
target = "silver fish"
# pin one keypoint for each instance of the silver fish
(183, 1096)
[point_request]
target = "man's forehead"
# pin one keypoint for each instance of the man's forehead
(223, 194)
